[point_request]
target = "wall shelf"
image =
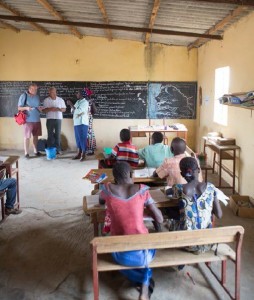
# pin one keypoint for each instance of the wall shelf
(239, 106)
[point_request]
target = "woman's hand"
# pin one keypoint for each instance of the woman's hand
(69, 103)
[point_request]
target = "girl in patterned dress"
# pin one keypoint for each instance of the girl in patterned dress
(197, 201)
(91, 141)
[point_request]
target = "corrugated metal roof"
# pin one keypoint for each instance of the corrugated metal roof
(182, 15)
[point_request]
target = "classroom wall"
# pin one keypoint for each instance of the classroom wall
(34, 56)
(236, 52)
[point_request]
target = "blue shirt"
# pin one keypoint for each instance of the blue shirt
(154, 155)
(32, 101)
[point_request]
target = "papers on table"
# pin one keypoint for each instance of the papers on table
(222, 197)
(176, 126)
(144, 173)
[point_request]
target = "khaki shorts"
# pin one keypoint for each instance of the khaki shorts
(32, 128)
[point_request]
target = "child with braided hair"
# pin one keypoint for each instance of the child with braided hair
(197, 201)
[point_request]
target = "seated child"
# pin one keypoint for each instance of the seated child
(125, 151)
(197, 201)
(155, 154)
(125, 203)
(170, 167)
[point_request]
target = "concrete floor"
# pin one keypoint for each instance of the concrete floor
(45, 251)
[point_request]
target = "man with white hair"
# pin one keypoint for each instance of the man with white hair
(54, 107)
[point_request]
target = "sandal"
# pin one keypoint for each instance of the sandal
(151, 287)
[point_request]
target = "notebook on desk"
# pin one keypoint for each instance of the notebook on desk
(3, 159)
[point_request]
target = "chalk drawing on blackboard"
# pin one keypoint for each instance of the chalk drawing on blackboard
(172, 100)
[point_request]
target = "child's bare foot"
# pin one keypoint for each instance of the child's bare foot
(144, 295)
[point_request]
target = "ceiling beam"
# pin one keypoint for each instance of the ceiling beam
(236, 2)
(102, 8)
(155, 9)
(56, 14)
(219, 26)
(108, 26)
(18, 14)
(9, 26)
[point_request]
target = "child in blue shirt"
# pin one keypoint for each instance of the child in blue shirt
(155, 154)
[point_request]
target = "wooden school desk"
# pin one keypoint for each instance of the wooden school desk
(110, 178)
(225, 153)
(12, 168)
(96, 211)
(141, 131)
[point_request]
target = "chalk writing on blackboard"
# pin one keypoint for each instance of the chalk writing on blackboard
(120, 100)
(114, 99)
(172, 100)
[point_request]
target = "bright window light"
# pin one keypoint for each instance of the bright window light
(220, 114)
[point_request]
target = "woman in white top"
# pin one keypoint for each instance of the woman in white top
(81, 122)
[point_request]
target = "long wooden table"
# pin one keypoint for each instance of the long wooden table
(141, 132)
(227, 152)
(96, 211)
(110, 177)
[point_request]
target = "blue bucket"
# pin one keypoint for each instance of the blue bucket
(51, 153)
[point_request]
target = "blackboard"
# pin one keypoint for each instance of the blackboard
(172, 100)
(114, 99)
(120, 100)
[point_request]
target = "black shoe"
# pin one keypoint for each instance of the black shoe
(83, 157)
(77, 156)
(27, 156)
(12, 211)
(37, 154)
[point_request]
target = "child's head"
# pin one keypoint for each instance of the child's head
(122, 172)
(157, 137)
(189, 168)
(125, 135)
(178, 146)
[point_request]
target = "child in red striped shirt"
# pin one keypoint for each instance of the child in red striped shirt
(126, 151)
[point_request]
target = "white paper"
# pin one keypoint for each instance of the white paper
(3, 158)
(144, 173)
(222, 197)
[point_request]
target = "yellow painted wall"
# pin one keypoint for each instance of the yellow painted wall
(235, 51)
(34, 56)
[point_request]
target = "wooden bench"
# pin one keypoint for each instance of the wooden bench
(169, 252)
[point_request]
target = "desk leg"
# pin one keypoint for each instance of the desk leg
(95, 226)
(220, 161)
(17, 166)
(234, 163)
(214, 159)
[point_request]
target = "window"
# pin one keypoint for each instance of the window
(220, 114)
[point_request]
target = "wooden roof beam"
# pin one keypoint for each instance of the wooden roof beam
(235, 2)
(112, 27)
(9, 26)
(155, 9)
(236, 12)
(102, 8)
(56, 14)
(18, 14)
